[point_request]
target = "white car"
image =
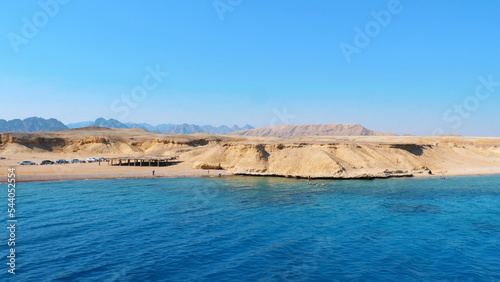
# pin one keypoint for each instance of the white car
(91, 160)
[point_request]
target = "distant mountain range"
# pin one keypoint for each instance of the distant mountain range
(170, 128)
(32, 124)
(79, 124)
(112, 123)
(291, 131)
(36, 124)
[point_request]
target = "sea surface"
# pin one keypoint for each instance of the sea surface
(256, 229)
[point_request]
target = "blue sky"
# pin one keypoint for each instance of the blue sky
(257, 62)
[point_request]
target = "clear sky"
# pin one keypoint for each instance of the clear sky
(418, 67)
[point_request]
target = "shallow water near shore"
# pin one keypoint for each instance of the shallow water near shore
(257, 228)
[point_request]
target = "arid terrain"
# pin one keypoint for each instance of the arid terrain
(294, 131)
(209, 155)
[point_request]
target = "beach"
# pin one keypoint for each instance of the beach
(87, 171)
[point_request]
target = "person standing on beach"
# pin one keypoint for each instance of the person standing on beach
(153, 173)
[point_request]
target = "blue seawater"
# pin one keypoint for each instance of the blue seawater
(257, 229)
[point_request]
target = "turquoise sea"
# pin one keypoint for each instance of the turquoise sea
(257, 229)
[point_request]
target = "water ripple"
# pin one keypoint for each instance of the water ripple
(259, 229)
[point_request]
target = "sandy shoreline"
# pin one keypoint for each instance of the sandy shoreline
(102, 176)
(96, 172)
(103, 171)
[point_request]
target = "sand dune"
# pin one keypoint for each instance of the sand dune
(316, 157)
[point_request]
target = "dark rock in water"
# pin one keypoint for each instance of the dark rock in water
(412, 208)
(485, 227)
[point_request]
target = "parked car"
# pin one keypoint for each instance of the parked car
(101, 159)
(27, 163)
(62, 161)
(2, 158)
(46, 162)
(75, 161)
(91, 160)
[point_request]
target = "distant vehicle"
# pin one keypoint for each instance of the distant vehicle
(75, 161)
(27, 163)
(91, 160)
(62, 161)
(2, 158)
(101, 159)
(46, 162)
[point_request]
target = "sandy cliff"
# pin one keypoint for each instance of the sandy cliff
(329, 157)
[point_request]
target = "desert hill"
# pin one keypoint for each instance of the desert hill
(319, 157)
(291, 131)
